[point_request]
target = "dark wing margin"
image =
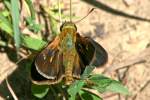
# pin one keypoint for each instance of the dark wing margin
(47, 67)
(90, 52)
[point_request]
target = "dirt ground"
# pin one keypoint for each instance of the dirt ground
(126, 41)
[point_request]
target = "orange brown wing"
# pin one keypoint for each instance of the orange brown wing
(48, 65)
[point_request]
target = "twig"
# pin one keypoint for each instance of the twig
(128, 2)
(131, 60)
(141, 89)
(11, 90)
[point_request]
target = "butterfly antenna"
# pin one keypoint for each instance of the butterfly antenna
(70, 10)
(86, 15)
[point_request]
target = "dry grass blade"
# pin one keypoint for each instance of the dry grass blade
(11, 90)
(141, 89)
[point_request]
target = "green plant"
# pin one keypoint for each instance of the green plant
(79, 89)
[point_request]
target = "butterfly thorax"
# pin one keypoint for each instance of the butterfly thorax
(67, 45)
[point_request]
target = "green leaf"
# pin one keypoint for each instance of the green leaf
(88, 96)
(15, 20)
(7, 4)
(53, 23)
(5, 24)
(30, 4)
(87, 71)
(39, 91)
(32, 43)
(103, 84)
(32, 25)
(52, 14)
(117, 87)
(75, 88)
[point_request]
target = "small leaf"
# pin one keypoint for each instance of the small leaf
(75, 88)
(117, 87)
(103, 84)
(54, 24)
(88, 96)
(5, 24)
(87, 71)
(39, 91)
(32, 25)
(7, 4)
(31, 7)
(32, 43)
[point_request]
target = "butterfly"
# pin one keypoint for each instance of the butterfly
(66, 57)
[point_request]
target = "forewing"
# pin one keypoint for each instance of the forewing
(48, 66)
(90, 52)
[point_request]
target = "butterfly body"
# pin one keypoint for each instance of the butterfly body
(66, 57)
(68, 50)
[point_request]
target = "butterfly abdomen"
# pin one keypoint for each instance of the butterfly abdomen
(68, 61)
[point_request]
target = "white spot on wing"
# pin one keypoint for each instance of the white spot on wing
(44, 56)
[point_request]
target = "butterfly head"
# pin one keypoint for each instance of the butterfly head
(68, 25)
